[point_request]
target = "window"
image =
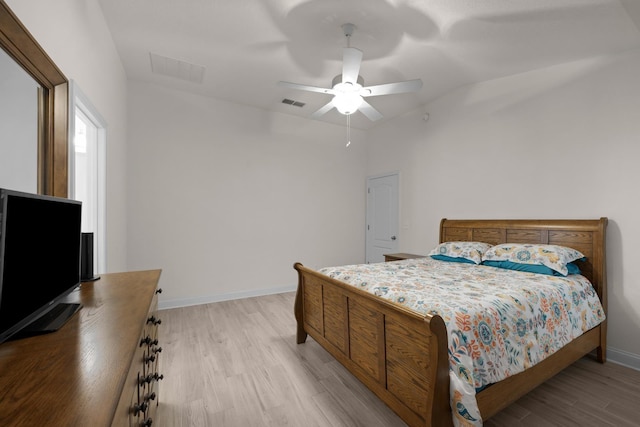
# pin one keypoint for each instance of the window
(87, 171)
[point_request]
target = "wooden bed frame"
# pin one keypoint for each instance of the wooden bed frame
(402, 356)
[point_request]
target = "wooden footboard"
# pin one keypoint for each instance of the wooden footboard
(399, 355)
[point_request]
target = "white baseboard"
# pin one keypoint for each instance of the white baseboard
(624, 358)
(185, 302)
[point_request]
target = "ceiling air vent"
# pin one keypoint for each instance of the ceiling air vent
(176, 68)
(292, 102)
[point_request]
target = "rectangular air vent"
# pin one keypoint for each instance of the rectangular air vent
(292, 102)
(176, 68)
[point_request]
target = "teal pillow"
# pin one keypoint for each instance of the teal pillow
(533, 268)
(452, 259)
(573, 268)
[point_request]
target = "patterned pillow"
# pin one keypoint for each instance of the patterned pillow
(470, 252)
(553, 256)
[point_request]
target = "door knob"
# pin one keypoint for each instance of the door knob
(393, 237)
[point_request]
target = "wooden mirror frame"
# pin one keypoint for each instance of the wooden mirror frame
(53, 128)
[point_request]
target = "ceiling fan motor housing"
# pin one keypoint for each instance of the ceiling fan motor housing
(338, 79)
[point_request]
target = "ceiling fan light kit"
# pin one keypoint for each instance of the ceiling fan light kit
(348, 88)
(347, 103)
(347, 97)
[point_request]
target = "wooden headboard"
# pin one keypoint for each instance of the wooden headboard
(587, 236)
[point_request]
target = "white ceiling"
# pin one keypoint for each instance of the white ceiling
(247, 46)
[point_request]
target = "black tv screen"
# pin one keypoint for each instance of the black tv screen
(39, 259)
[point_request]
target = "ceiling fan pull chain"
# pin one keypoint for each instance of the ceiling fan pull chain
(348, 130)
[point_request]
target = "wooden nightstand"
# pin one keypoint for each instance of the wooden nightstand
(400, 256)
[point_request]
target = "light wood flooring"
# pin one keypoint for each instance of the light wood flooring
(236, 363)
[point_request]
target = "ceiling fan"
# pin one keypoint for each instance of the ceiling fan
(348, 88)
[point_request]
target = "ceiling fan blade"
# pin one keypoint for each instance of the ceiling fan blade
(391, 88)
(371, 113)
(322, 110)
(306, 87)
(351, 60)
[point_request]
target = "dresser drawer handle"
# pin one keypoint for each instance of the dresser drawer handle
(154, 320)
(140, 408)
(148, 341)
(146, 379)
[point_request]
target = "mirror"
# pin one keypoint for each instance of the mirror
(19, 95)
(50, 146)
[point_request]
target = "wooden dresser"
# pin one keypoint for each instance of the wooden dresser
(99, 369)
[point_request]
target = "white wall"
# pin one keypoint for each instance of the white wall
(562, 142)
(76, 37)
(225, 198)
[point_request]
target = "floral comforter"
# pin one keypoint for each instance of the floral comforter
(499, 322)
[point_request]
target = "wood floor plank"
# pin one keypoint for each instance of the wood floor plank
(236, 364)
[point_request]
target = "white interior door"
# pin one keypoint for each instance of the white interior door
(382, 217)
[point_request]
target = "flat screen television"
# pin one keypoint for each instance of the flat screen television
(40, 247)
